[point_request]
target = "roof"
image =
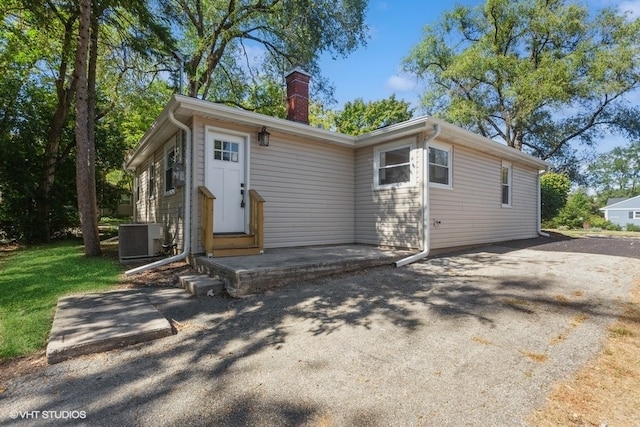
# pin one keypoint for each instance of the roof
(184, 108)
(623, 205)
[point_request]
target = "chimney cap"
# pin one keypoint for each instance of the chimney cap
(297, 69)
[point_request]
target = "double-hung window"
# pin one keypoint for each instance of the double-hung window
(634, 214)
(152, 179)
(393, 166)
(440, 165)
(506, 184)
(169, 162)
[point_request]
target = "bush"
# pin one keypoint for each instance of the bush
(633, 227)
(554, 189)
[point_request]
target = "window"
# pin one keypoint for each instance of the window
(152, 179)
(634, 215)
(393, 167)
(136, 185)
(225, 151)
(440, 165)
(169, 162)
(506, 184)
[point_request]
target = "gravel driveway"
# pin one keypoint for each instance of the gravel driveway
(476, 338)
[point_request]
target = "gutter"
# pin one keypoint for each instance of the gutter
(540, 232)
(186, 225)
(426, 206)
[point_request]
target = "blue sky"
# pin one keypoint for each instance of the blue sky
(374, 72)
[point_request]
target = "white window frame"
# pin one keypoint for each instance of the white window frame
(508, 184)
(392, 147)
(151, 180)
(442, 147)
(636, 215)
(136, 187)
(171, 146)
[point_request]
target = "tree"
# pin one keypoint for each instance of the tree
(616, 173)
(359, 117)
(232, 46)
(537, 74)
(578, 211)
(554, 190)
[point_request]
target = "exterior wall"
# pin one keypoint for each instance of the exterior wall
(387, 217)
(621, 217)
(162, 208)
(308, 187)
(472, 213)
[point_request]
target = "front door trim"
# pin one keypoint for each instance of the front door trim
(246, 137)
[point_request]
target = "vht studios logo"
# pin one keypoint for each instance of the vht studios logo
(52, 415)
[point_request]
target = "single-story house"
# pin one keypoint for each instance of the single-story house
(222, 181)
(623, 211)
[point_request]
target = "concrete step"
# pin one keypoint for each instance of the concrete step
(200, 285)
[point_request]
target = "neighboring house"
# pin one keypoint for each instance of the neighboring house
(421, 184)
(623, 211)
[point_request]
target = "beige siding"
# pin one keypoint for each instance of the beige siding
(308, 187)
(309, 190)
(387, 217)
(163, 208)
(472, 212)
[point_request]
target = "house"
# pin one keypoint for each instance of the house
(623, 211)
(224, 181)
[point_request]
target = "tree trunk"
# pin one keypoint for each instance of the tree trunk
(58, 121)
(85, 156)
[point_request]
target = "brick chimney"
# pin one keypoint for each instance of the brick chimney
(298, 96)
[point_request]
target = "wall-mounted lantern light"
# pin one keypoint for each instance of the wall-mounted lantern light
(263, 137)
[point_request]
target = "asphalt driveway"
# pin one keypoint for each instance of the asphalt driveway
(476, 338)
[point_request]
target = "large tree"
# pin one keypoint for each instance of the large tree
(537, 74)
(359, 117)
(616, 173)
(233, 48)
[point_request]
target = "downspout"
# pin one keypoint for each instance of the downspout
(426, 206)
(186, 224)
(540, 232)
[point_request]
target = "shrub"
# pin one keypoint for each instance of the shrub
(633, 227)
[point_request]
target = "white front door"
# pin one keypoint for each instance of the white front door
(225, 178)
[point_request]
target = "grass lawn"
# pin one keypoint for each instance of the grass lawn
(31, 281)
(590, 232)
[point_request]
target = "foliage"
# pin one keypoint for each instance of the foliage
(37, 142)
(33, 279)
(632, 227)
(359, 117)
(580, 211)
(616, 173)
(554, 190)
(535, 74)
(232, 48)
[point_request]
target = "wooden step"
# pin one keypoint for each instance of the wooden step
(249, 250)
(230, 241)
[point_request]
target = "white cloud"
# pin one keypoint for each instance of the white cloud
(631, 6)
(401, 83)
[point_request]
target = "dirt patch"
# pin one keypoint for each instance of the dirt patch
(19, 366)
(606, 391)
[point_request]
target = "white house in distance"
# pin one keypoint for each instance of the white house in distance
(222, 181)
(623, 211)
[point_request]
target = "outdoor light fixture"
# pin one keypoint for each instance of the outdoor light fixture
(263, 137)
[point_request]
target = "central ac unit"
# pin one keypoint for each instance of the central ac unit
(139, 240)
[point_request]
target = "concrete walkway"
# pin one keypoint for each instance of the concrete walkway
(94, 323)
(98, 322)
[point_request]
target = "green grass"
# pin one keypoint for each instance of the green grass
(587, 232)
(31, 281)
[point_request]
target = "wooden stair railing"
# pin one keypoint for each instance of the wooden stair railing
(227, 245)
(206, 217)
(256, 222)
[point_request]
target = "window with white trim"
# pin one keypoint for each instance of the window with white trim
(440, 165)
(634, 214)
(136, 186)
(393, 167)
(169, 161)
(506, 179)
(152, 180)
